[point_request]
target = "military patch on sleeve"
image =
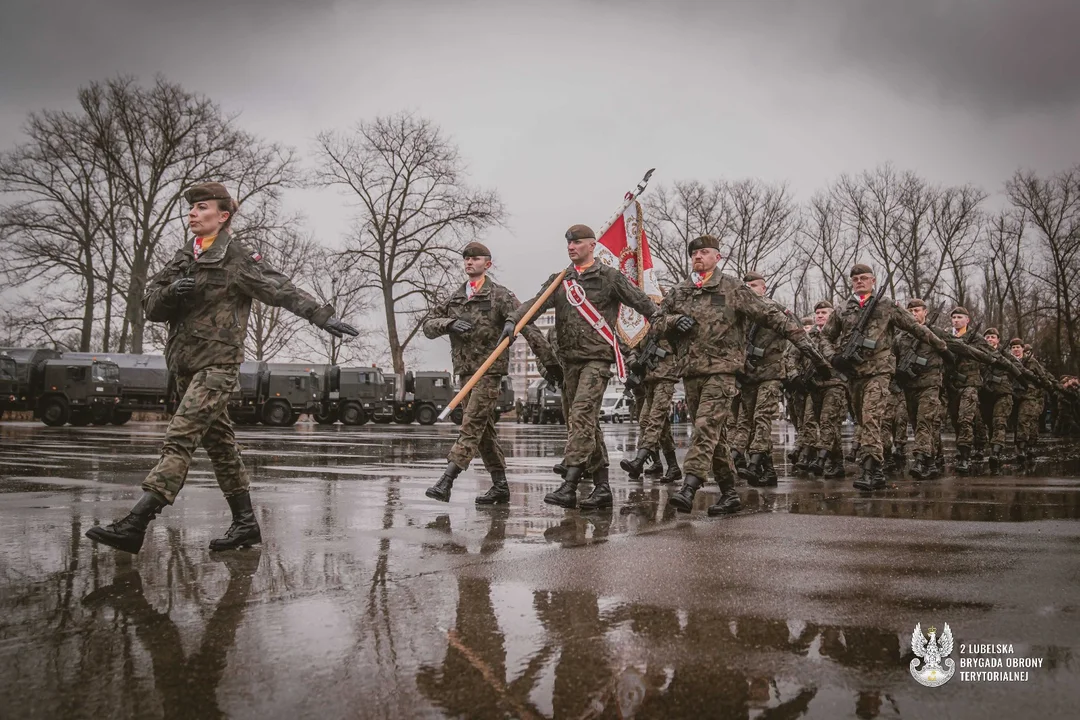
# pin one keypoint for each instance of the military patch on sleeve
(256, 256)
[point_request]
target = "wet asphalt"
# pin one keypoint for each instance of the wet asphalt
(369, 600)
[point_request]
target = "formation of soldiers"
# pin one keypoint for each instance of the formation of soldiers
(736, 350)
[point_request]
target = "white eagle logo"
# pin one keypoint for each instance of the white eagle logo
(932, 651)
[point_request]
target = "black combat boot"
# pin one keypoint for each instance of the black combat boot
(634, 467)
(727, 503)
(817, 465)
(963, 459)
(995, 456)
(873, 477)
(920, 469)
(899, 458)
(683, 500)
(768, 472)
(1030, 454)
(600, 497)
(566, 494)
(657, 468)
(834, 466)
(804, 460)
(853, 456)
(441, 490)
(793, 456)
(754, 471)
(1021, 453)
(244, 530)
(499, 492)
(673, 474)
(127, 534)
(559, 469)
(739, 459)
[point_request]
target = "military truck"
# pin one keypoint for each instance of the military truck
(292, 389)
(245, 405)
(543, 403)
(505, 403)
(354, 395)
(145, 385)
(9, 382)
(61, 390)
(421, 396)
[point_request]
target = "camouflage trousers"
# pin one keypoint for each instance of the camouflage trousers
(901, 420)
(1028, 417)
(996, 412)
(583, 392)
(964, 410)
(828, 406)
(924, 408)
(760, 405)
(478, 434)
(709, 398)
(808, 430)
(798, 412)
(201, 417)
(870, 400)
(654, 420)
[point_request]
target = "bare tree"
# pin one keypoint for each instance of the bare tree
(674, 216)
(335, 280)
(764, 223)
(407, 180)
(826, 243)
(955, 225)
(1052, 209)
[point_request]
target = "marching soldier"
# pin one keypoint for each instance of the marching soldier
(919, 372)
(962, 382)
(759, 397)
(997, 395)
(1031, 400)
(654, 421)
(586, 310)
(709, 313)
(473, 316)
(799, 408)
(205, 295)
(870, 365)
(829, 405)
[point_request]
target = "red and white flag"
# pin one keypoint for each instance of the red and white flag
(624, 246)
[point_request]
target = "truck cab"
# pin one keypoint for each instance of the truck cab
(246, 403)
(77, 390)
(145, 384)
(355, 396)
(293, 389)
(543, 403)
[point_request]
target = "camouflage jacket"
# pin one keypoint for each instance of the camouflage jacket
(208, 326)
(803, 364)
(487, 310)
(668, 368)
(972, 352)
(765, 351)
(723, 309)
(1033, 389)
(925, 366)
(996, 377)
(607, 289)
(886, 319)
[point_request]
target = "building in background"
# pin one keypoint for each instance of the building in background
(522, 361)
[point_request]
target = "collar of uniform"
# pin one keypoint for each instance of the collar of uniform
(594, 268)
(711, 284)
(484, 289)
(216, 251)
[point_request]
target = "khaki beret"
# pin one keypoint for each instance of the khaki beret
(915, 303)
(705, 241)
(579, 232)
(808, 320)
(206, 191)
(752, 276)
(860, 269)
(990, 331)
(1016, 341)
(960, 310)
(475, 249)
(824, 305)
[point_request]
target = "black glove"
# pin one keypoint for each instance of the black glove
(508, 332)
(553, 374)
(460, 327)
(837, 362)
(822, 368)
(339, 328)
(684, 324)
(180, 287)
(949, 356)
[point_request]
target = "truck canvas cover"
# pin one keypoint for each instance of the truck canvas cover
(145, 374)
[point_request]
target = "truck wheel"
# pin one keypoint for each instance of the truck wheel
(328, 418)
(292, 420)
(80, 417)
(383, 420)
(403, 416)
(352, 414)
(277, 413)
(426, 415)
(101, 415)
(54, 411)
(120, 417)
(457, 416)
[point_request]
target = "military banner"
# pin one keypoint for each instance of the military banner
(624, 246)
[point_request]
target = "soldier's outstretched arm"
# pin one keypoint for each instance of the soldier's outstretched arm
(906, 321)
(631, 295)
(774, 316)
(267, 285)
(165, 289)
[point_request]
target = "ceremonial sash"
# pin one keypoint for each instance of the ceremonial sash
(575, 295)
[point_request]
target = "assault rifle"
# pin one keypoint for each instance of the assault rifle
(650, 356)
(910, 365)
(851, 354)
(753, 352)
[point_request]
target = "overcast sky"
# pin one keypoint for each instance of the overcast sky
(562, 105)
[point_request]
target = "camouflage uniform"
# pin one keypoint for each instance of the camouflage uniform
(205, 348)
(828, 404)
(762, 388)
(997, 398)
(654, 420)
(922, 390)
(586, 357)
(1032, 400)
(713, 351)
(962, 383)
(486, 310)
(873, 373)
